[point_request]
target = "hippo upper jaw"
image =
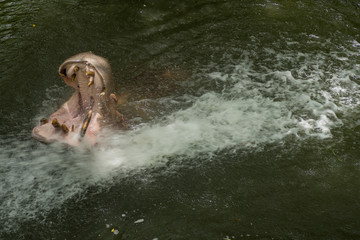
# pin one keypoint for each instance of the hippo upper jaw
(91, 107)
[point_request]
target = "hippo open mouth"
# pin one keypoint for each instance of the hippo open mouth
(90, 108)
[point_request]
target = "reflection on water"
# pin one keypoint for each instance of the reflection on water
(243, 115)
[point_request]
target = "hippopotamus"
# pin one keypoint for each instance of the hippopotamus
(91, 107)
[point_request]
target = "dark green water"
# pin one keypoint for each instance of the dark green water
(254, 134)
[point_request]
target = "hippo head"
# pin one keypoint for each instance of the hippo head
(89, 109)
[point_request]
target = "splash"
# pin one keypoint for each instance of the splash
(240, 103)
(245, 105)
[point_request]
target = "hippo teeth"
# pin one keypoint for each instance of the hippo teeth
(91, 81)
(59, 126)
(43, 121)
(85, 124)
(90, 73)
(55, 123)
(64, 128)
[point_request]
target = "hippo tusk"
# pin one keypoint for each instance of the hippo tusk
(91, 82)
(91, 76)
(85, 124)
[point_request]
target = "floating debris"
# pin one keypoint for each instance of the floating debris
(139, 221)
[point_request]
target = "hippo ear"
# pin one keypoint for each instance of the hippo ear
(113, 97)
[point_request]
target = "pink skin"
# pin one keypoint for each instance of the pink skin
(67, 115)
(90, 76)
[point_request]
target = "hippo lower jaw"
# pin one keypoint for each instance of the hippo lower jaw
(90, 108)
(69, 125)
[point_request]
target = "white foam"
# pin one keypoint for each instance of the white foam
(252, 104)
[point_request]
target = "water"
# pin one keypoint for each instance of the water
(244, 121)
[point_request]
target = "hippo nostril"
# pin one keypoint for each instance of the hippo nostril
(63, 72)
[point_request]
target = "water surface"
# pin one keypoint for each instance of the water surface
(244, 121)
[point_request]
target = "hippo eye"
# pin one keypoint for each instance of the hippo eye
(63, 72)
